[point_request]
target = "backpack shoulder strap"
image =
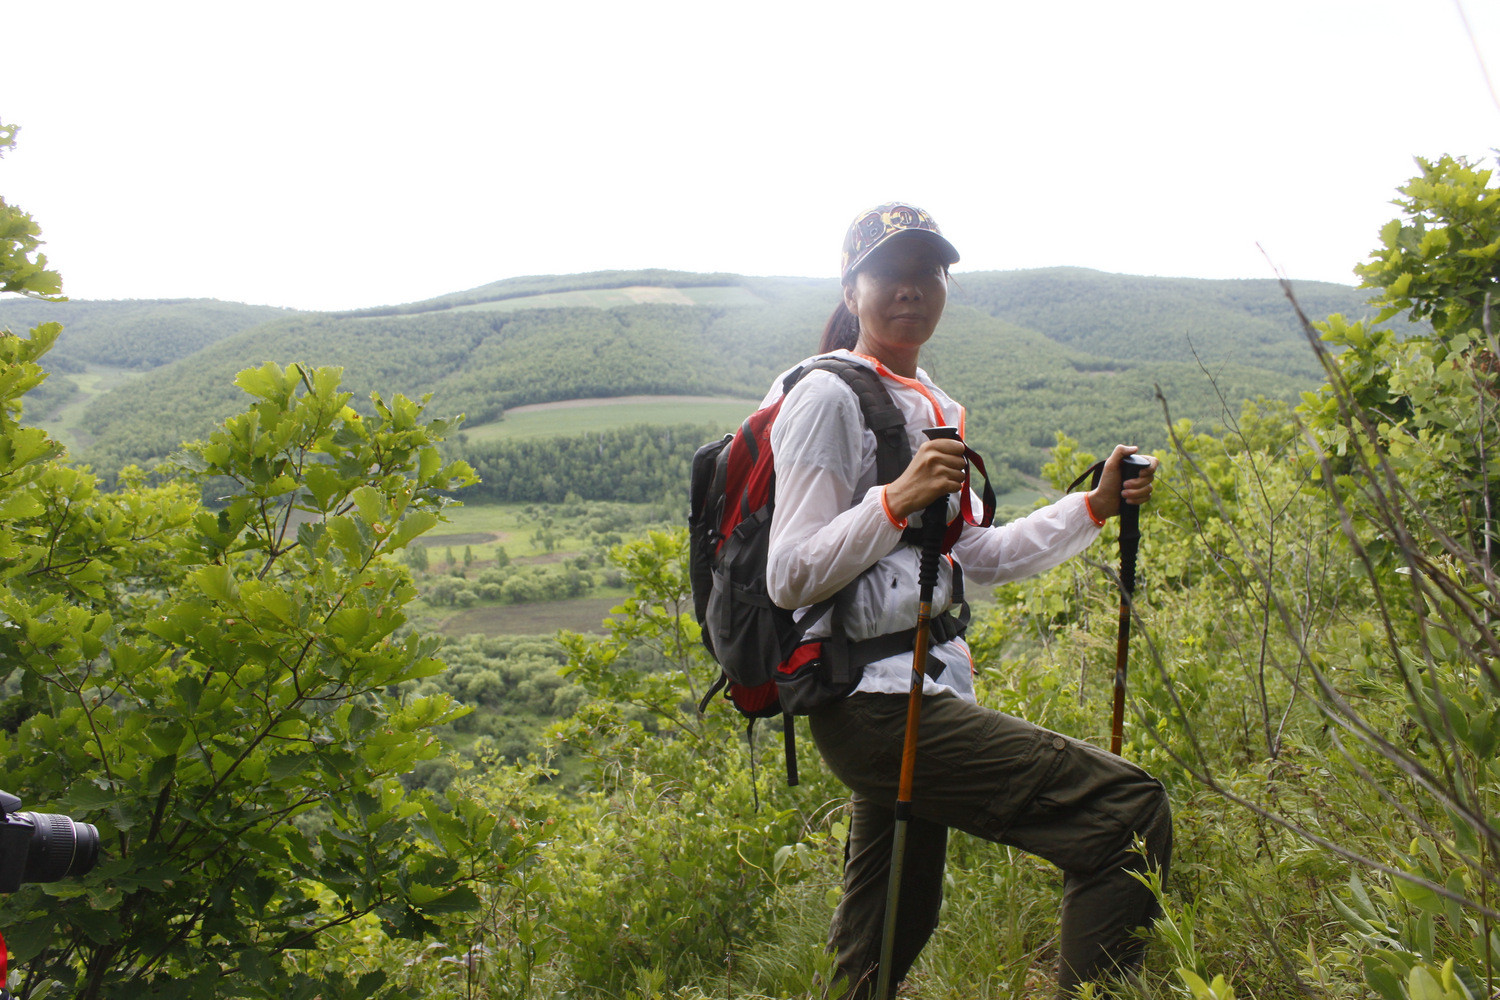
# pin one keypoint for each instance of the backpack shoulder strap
(881, 414)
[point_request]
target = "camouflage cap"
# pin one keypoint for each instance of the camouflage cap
(873, 228)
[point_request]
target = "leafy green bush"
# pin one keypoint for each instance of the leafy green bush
(209, 689)
(678, 835)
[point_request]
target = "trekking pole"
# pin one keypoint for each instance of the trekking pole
(934, 524)
(1130, 539)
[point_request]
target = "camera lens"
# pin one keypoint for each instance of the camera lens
(59, 847)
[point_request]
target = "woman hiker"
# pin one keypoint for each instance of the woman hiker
(836, 531)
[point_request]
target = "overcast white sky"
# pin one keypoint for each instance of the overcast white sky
(336, 155)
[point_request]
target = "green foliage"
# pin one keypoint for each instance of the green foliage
(208, 688)
(1440, 262)
(1395, 929)
(23, 268)
(525, 584)
(1328, 667)
(684, 858)
(655, 627)
(503, 947)
(416, 557)
(1397, 396)
(513, 687)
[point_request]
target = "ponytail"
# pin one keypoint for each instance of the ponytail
(841, 331)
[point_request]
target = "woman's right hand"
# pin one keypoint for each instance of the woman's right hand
(936, 470)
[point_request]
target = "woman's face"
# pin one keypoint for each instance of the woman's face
(898, 293)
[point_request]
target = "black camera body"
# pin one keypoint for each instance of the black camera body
(42, 847)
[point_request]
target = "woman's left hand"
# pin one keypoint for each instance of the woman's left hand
(1105, 500)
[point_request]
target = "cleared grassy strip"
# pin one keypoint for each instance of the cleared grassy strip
(92, 382)
(609, 298)
(721, 295)
(594, 415)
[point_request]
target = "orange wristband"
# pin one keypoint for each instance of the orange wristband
(900, 524)
(1098, 521)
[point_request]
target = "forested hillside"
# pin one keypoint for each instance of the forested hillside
(1129, 317)
(1089, 367)
(107, 343)
(475, 363)
(137, 333)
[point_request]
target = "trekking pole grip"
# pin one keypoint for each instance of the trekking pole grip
(934, 523)
(1130, 513)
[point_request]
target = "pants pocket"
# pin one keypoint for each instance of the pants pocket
(1019, 762)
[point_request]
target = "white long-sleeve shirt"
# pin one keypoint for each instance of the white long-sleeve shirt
(832, 534)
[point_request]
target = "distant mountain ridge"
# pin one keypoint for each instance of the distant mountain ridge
(1030, 352)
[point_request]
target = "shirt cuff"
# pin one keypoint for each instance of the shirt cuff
(900, 523)
(1098, 521)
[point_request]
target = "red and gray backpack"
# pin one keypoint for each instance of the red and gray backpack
(769, 665)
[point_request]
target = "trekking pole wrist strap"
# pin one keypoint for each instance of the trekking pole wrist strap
(1129, 469)
(983, 518)
(1092, 474)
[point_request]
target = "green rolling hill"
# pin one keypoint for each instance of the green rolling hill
(1247, 321)
(137, 333)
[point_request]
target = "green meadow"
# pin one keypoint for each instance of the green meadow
(484, 526)
(584, 416)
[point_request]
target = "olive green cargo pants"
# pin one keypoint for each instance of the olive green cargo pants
(1006, 780)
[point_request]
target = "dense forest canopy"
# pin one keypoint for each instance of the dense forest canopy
(138, 333)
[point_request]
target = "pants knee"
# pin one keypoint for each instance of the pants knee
(1155, 830)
